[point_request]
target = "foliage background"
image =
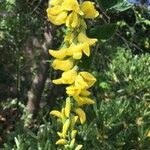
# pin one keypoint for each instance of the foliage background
(120, 118)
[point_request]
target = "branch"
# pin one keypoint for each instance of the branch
(127, 42)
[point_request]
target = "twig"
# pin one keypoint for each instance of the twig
(129, 42)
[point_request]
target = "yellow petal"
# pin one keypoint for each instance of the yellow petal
(83, 38)
(55, 113)
(87, 101)
(81, 114)
(54, 10)
(60, 134)
(148, 134)
(73, 90)
(77, 55)
(55, 2)
(76, 90)
(73, 121)
(80, 83)
(83, 100)
(72, 143)
(73, 134)
(88, 78)
(68, 77)
(71, 5)
(56, 15)
(63, 65)
(78, 147)
(61, 142)
(63, 117)
(68, 107)
(65, 127)
(88, 9)
(86, 49)
(85, 92)
(58, 81)
(73, 20)
(59, 54)
(75, 51)
(78, 99)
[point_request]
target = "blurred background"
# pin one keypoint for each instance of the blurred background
(120, 117)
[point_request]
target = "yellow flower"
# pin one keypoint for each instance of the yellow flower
(72, 143)
(83, 38)
(77, 90)
(83, 81)
(68, 77)
(58, 19)
(59, 114)
(59, 54)
(63, 116)
(61, 142)
(56, 113)
(65, 127)
(68, 107)
(87, 42)
(73, 90)
(55, 2)
(81, 114)
(78, 147)
(88, 9)
(73, 134)
(88, 78)
(83, 100)
(60, 134)
(148, 134)
(73, 121)
(85, 92)
(54, 10)
(76, 50)
(71, 5)
(63, 65)
(56, 15)
(73, 20)
(80, 83)
(86, 49)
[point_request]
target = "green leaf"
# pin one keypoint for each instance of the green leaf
(106, 4)
(122, 6)
(119, 5)
(103, 31)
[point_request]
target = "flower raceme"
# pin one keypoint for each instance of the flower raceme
(75, 45)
